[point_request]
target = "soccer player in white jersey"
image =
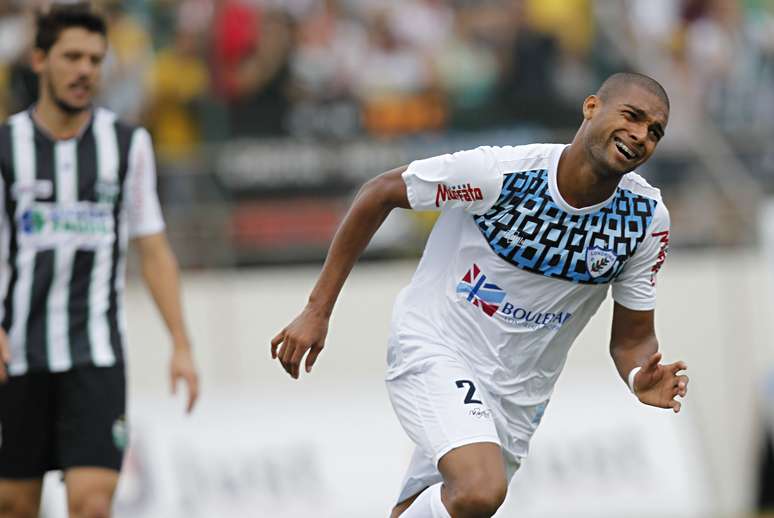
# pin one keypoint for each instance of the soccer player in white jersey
(529, 242)
(76, 186)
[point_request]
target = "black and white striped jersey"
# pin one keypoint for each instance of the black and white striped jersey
(69, 208)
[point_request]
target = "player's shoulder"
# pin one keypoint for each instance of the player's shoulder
(19, 118)
(106, 116)
(524, 157)
(125, 131)
(525, 151)
(638, 185)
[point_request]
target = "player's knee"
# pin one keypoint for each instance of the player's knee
(90, 506)
(18, 507)
(479, 495)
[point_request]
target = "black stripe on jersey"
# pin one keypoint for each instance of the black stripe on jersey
(37, 321)
(87, 166)
(124, 134)
(78, 307)
(44, 163)
(78, 304)
(43, 273)
(9, 176)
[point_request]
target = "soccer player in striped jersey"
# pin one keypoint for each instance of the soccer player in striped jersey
(530, 241)
(76, 186)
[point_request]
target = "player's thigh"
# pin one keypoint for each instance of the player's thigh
(20, 498)
(92, 429)
(442, 406)
(474, 480)
(90, 491)
(474, 467)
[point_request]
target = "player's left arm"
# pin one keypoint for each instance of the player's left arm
(161, 274)
(158, 262)
(633, 344)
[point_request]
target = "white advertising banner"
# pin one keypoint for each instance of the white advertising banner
(341, 454)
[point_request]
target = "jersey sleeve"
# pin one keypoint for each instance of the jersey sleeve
(469, 180)
(142, 201)
(635, 287)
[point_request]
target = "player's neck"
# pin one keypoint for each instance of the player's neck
(578, 183)
(58, 123)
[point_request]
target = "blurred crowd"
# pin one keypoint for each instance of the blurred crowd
(210, 70)
(219, 69)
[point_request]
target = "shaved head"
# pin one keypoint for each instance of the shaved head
(619, 82)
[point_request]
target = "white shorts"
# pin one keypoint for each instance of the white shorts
(442, 406)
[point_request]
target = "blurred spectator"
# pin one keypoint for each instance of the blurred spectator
(329, 48)
(178, 83)
(395, 84)
(568, 21)
(528, 91)
(251, 63)
(129, 56)
(18, 84)
(713, 47)
(425, 25)
(468, 71)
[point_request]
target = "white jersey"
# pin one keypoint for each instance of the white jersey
(511, 273)
(68, 209)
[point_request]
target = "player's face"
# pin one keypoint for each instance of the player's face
(70, 72)
(624, 130)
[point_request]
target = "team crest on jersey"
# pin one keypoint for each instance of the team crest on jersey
(599, 261)
(480, 293)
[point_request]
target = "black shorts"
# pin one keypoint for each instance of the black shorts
(56, 421)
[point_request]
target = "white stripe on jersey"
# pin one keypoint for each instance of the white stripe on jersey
(99, 290)
(58, 339)
(23, 142)
(123, 236)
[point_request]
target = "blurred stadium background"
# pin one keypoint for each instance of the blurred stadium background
(267, 115)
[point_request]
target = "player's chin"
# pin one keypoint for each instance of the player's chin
(620, 165)
(76, 104)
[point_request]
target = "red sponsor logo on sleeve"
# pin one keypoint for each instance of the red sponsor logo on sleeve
(662, 253)
(457, 192)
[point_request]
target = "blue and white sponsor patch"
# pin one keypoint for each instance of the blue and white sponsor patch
(84, 225)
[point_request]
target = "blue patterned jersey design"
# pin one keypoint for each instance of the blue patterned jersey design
(527, 229)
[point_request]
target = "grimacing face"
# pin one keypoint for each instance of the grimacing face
(70, 72)
(623, 131)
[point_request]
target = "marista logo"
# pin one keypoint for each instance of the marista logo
(491, 299)
(457, 192)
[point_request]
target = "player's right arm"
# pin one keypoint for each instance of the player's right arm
(5, 355)
(307, 332)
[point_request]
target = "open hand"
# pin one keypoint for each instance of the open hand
(658, 385)
(306, 333)
(182, 366)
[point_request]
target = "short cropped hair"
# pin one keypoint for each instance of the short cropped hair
(59, 17)
(617, 82)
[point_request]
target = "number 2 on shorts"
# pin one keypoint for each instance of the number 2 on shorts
(471, 390)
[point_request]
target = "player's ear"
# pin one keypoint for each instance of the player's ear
(590, 106)
(38, 60)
